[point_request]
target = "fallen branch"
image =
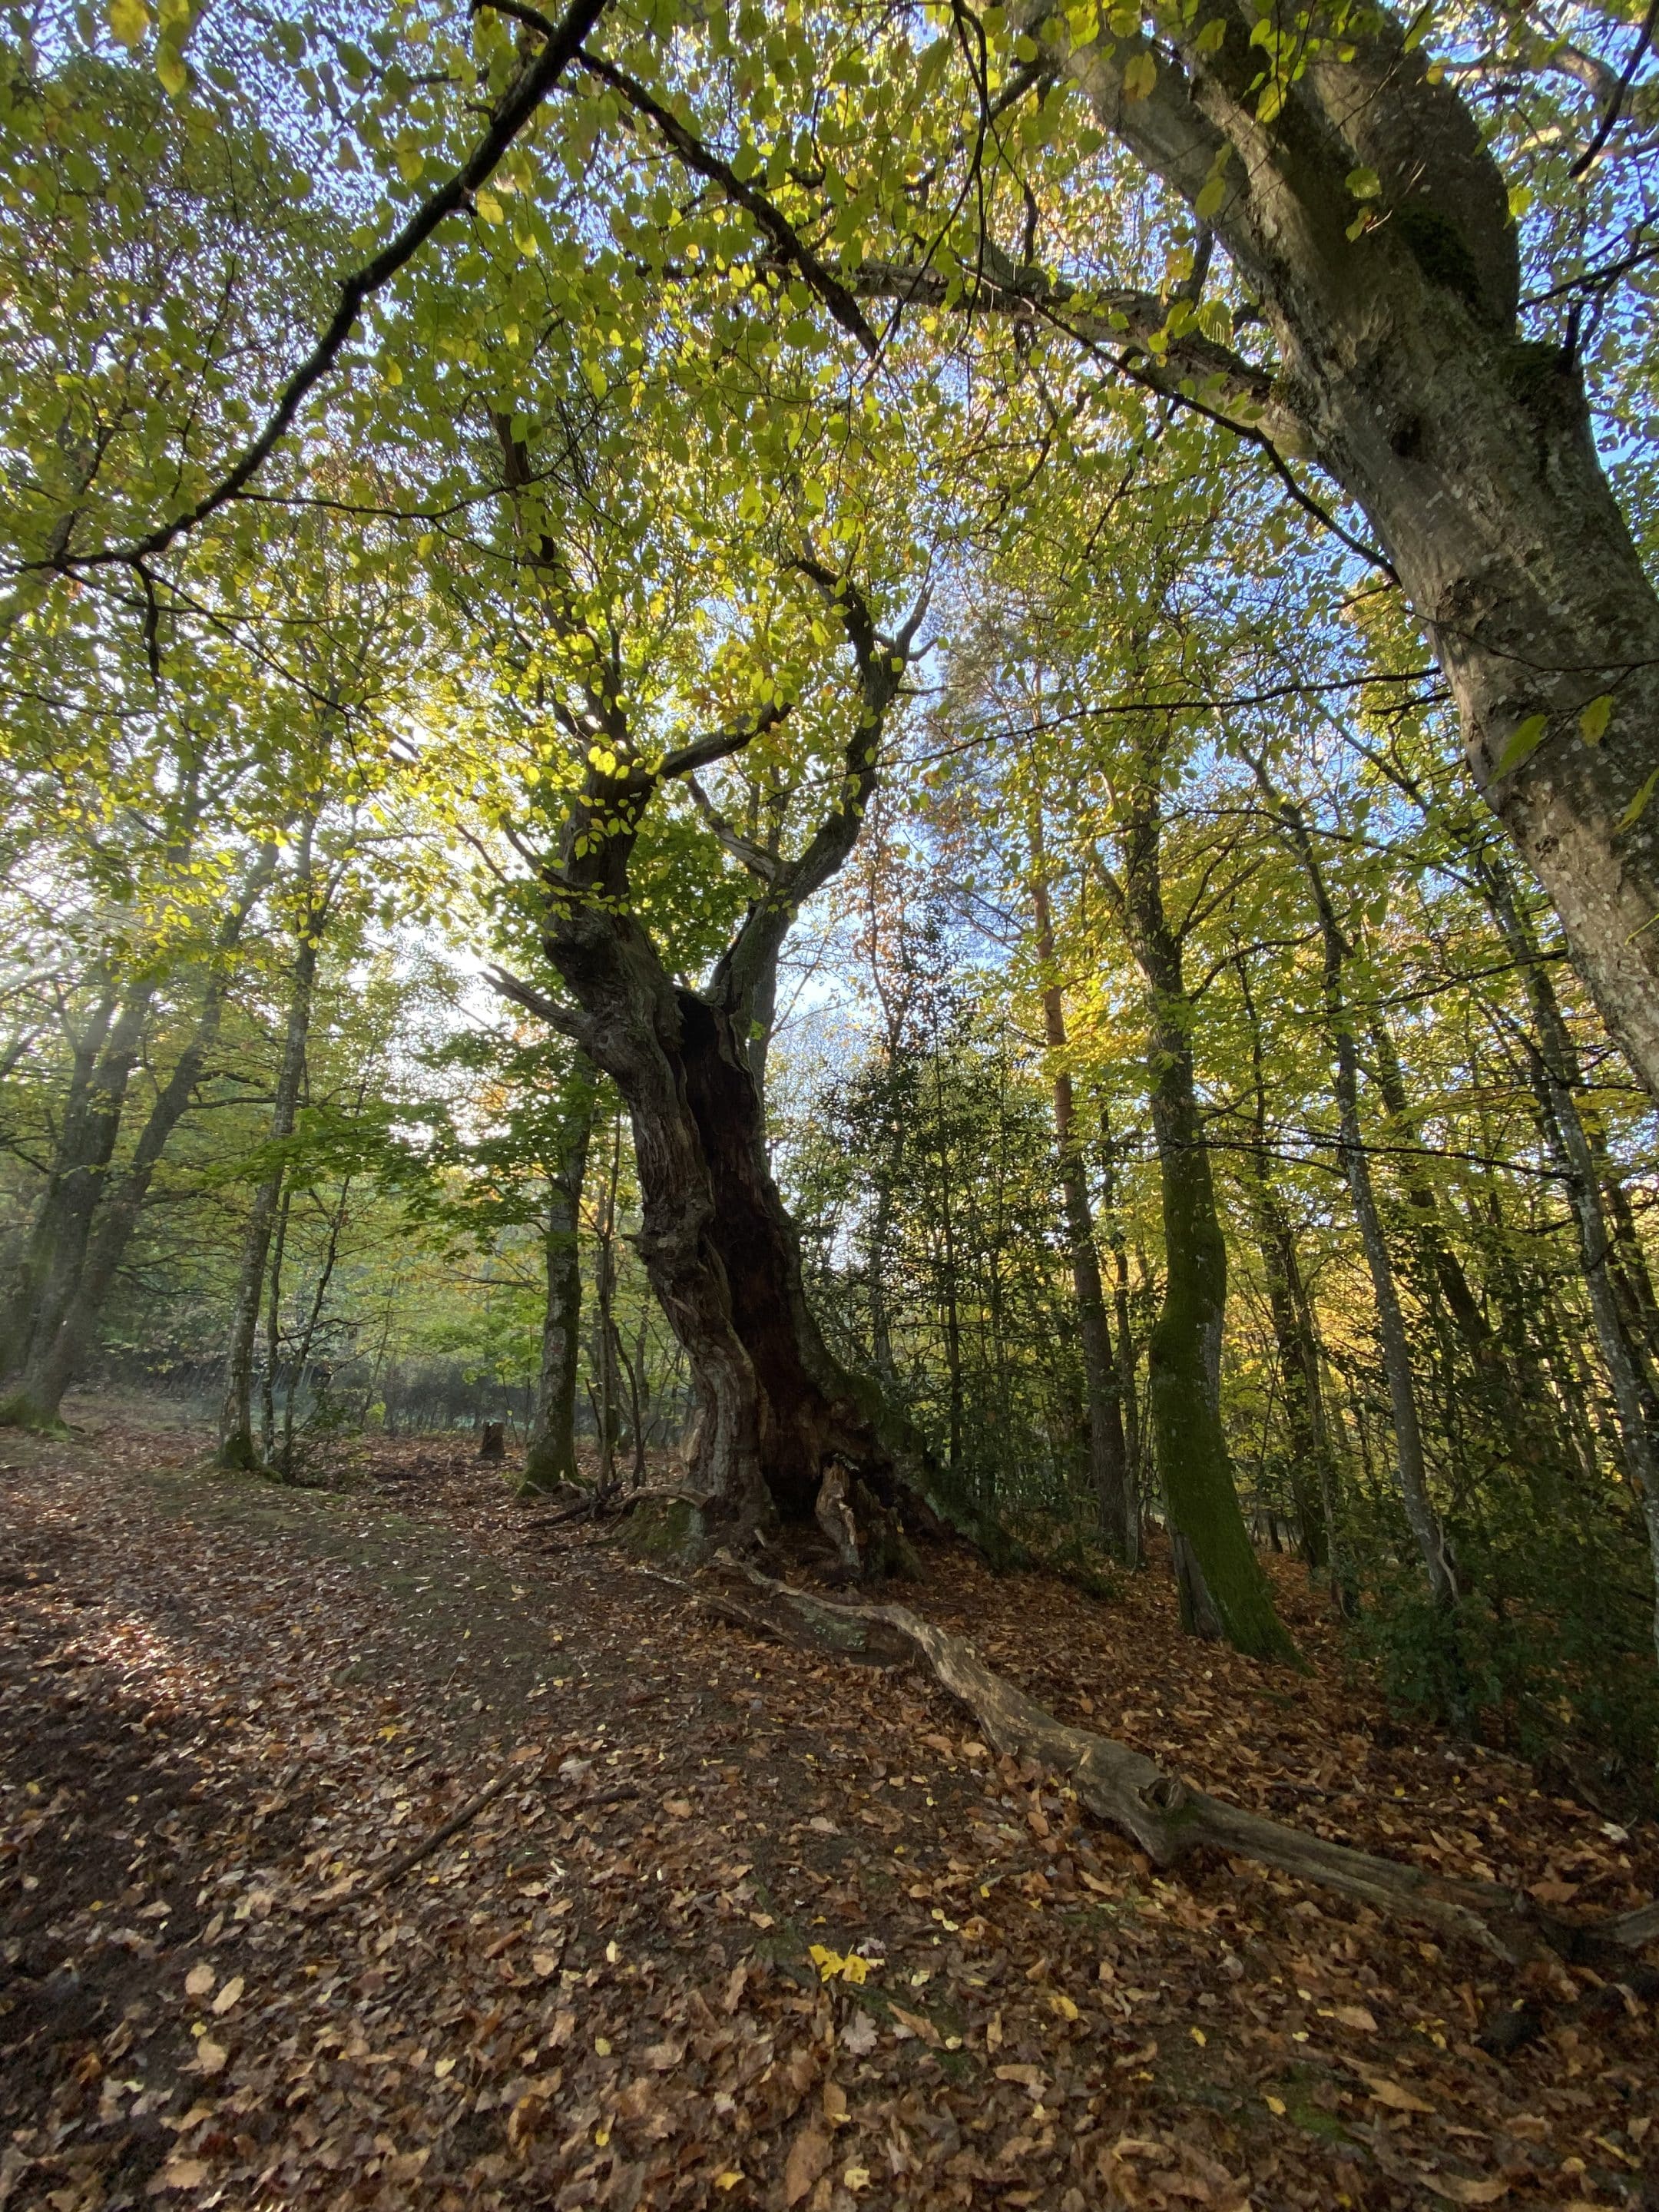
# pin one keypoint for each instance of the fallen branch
(1164, 1815)
(431, 1842)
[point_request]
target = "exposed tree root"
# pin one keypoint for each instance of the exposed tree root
(1164, 1815)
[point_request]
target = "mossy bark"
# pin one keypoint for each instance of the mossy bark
(1224, 1591)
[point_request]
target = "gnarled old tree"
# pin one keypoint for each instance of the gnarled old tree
(784, 1429)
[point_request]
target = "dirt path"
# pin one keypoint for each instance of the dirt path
(739, 1927)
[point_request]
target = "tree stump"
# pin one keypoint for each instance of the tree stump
(492, 1440)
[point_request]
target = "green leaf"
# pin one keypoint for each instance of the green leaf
(1213, 37)
(1139, 76)
(1524, 741)
(1209, 200)
(488, 207)
(1593, 722)
(1638, 806)
(171, 69)
(1364, 184)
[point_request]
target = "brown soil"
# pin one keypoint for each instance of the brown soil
(743, 1926)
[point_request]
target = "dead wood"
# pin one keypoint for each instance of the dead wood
(1165, 1815)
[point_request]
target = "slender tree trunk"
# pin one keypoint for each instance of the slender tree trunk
(57, 1351)
(607, 1406)
(313, 1322)
(274, 1329)
(1312, 1478)
(1224, 1591)
(237, 1448)
(551, 1450)
(1411, 1468)
(1109, 1474)
(64, 1227)
(1553, 1067)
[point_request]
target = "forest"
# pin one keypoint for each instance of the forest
(831, 892)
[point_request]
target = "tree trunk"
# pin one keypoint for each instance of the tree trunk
(62, 1231)
(775, 1409)
(1402, 372)
(1110, 1472)
(1552, 1064)
(550, 1451)
(1223, 1589)
(56, 1351)
(1313, 1478)
(237, 1447)
(1411, 1470)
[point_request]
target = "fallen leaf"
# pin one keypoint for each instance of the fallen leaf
(1391, 2094)
(199, 1980)
(1354, 2016)
(210, 2057)
(184, 2173)
(679, 1806)
(230, 1995)
(809, 2157)
(1461, 2191)
(859, 2035)
(821, 1825)
(545, 1962)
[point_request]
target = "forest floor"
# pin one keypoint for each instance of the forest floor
(741, 1926)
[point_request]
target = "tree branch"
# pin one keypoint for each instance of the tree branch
(534, 83)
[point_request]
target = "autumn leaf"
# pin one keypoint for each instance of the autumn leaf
(199, 1980)
(1393, 2094)
(809, 2158)
(229, 1996)
(210, 2057)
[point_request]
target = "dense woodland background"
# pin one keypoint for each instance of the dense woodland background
(1174, 977)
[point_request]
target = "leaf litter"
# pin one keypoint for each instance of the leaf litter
(382, 1847)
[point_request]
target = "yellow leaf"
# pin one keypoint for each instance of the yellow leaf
(488, 207)
(170, 68)
(129, 20)
(1524, 741)
(1275, 2105)
(856, 2177)
(1638, 806)
(1139, 76)
(730, 2178)
(1198, 2036)
(1593, 722)
(1062, 2004)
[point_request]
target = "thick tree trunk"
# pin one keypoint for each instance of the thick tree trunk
(776, 1411)
(550, 1451)
(1223, 1589)
(237, 1445)
(1469, 448)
